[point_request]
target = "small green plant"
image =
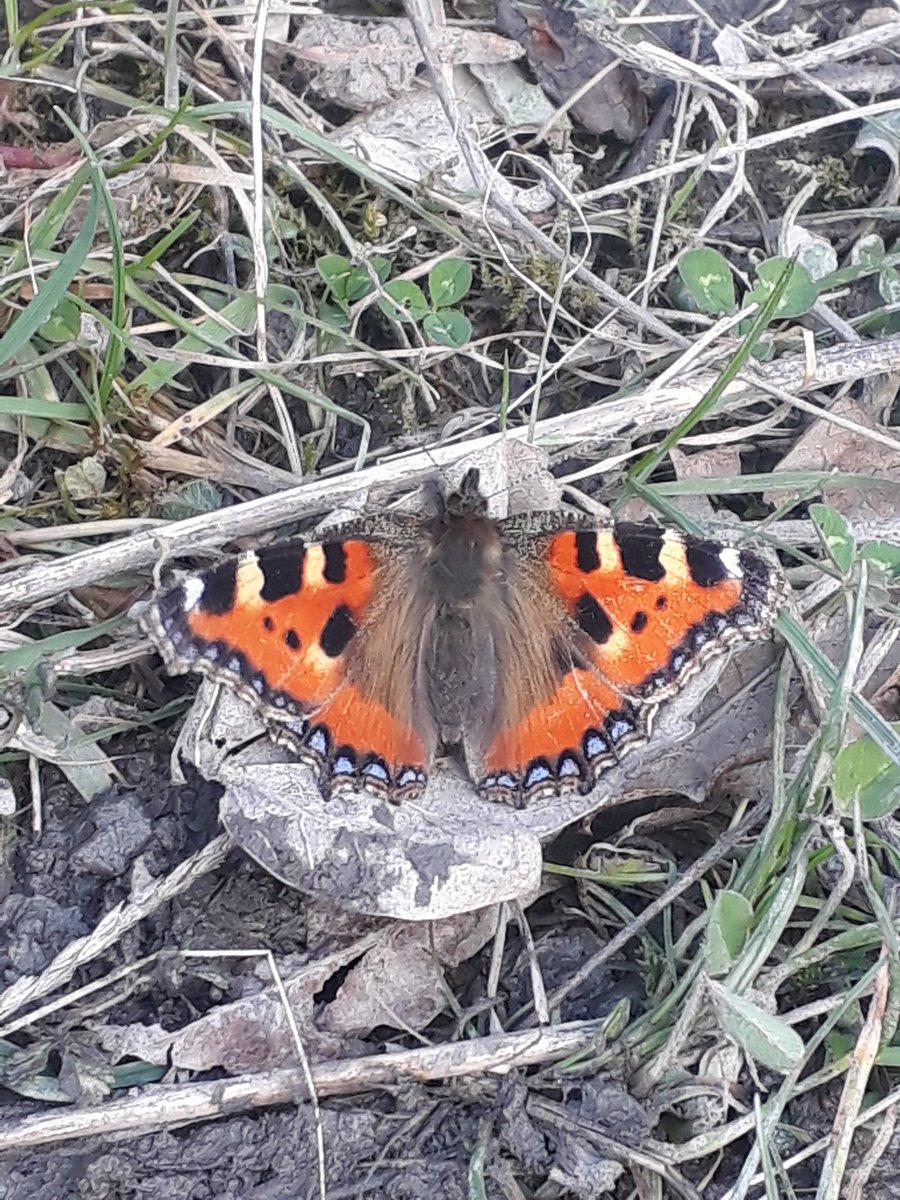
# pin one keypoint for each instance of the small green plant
(800, 292)
(864, 773)
(346, 284)
(448, 283)
(870, 251)
(837, 538)
(706, 284)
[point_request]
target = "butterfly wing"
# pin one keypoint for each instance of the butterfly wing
(638, 609)
(317, 637)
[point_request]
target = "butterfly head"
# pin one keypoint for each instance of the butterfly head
(468, 499)
(465, 546)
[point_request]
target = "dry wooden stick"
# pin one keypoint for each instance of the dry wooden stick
(164, 1106)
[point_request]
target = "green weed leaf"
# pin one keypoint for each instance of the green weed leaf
(190, 499)
(869, 250)
(335, 319)
(729, 922)
(800, 292)
(62, 324)
(448, 327)
(449, 281)
(864, 773)
(835, 534)
(336, 270)
(359, 281)
(883, 555)
(27, 658)
(765, 1037)
(707, 277)
(409, 303)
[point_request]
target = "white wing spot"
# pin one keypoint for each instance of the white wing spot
(731, 561)
(193, 592)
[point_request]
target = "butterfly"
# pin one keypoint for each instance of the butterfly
(538, 648)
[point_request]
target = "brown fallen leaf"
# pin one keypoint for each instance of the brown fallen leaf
(249, 1034)
(832, 448)
(24, 158)
(400, 982)
(564, 59)
(395, 980)
(95, 290)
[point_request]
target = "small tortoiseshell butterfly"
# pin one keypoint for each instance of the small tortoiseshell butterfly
(540, 646)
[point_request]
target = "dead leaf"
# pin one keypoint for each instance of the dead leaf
(361, 65)
(828, 447)
(85, 480)
(106, 602)
(24, 158)
(412, 140)
(13, 484)
(249, 1034)
(886, 699)
(564, 59)
(400, 982)
(395, 980)
(518, 103)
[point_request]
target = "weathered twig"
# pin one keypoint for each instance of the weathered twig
(164, 1106)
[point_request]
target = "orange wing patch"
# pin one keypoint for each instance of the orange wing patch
(645, 607)
(369, 745)
(282, 614)
(276, 626)
(638, 593)
(557, 745)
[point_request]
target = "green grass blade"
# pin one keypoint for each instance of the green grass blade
(47, 410)
(115, 345)
(873, 723)
(51, 293)
(644, 468)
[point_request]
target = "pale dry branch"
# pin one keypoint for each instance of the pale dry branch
(167, 1106)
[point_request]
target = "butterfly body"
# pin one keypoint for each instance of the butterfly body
(538, 647)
